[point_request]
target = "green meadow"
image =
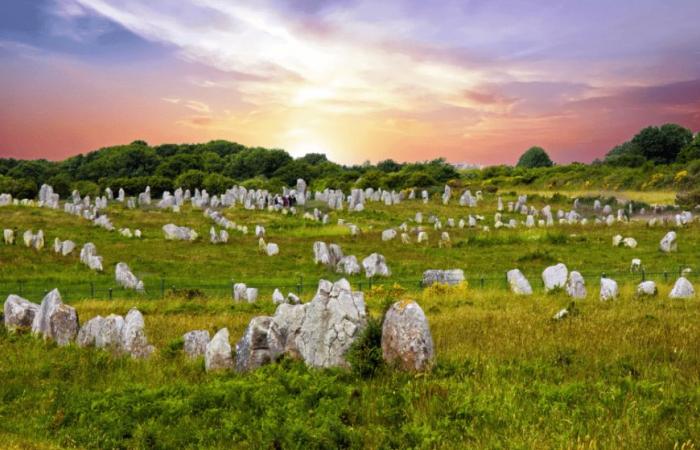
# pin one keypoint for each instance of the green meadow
(619, 374)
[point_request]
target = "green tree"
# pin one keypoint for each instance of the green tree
(691, 151)
(662, 144)
(190, 179)
(535, 157)
(216, 184)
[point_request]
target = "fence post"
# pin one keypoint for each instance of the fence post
(665, 277)
(300, 285)
(92, 289)
(20, 287)
(644, 277)
(505, 280)
(481, 282)
(162, 288)
(233, 290)
(110, 293)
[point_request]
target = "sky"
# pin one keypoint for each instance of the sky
(475, 81)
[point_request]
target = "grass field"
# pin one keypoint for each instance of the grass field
(622, 374)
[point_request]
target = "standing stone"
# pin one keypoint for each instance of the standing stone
(668, 243)
(218, 353)
(239, 291)
(134, 336)
(450, 277)
(251, 295)
(321, 332)
(682, 289)
(278, 297)
(646, 288)
(19, 312)
(195, 343)
(576, 286)
(257, 346)
(56, 321)
(518, 283)
(89, 331)
(348, 265)
(375, 265)
(554, 277)
(406, 339)
(608, 289)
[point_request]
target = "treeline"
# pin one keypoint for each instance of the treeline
(214, 166)
(665, 157)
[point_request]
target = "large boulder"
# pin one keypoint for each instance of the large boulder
(682, 289)
(375, 265)
(257, 346)
(608, 289)
(218, 354)
(134, 335)
(406, 339)
(450, 277)
(554, 277)
(576, 286)
(55, 321)
(668, 242)
(518, 283)
(319, 332)
(195, 343)
(19, 312)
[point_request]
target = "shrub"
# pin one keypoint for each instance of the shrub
(365, 354)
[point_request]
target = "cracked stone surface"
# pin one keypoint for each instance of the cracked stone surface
(406, 339)
(56, 321)
(19, 312)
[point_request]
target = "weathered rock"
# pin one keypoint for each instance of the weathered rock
(195, 343)
(629, 242)
(576, 286)
(272, 249)
(278, 297)
(616, 240)
(134, 335)
(175, 233)
(19, 312)
(89, 331)
(319, 332)
(67, 247)
(518, 283)
(406, 339)
(451, 277)
(54, 320)
(636, 265)
(375, 265)
(257, 346)
(251, 295)
(348, 265)
(239, 291)
(554, 277)
(682, 289)
(646, 288)
(218, 353)
(388, 235)
(608, 289)
(668, 242)
(125, 278)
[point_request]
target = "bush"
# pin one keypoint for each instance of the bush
(365, 354)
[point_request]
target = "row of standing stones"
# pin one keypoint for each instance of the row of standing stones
(319, 332)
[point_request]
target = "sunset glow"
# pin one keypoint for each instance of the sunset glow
(473, 81)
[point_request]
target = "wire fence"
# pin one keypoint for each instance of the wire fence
(163, 287)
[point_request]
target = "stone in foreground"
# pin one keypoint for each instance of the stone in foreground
(682, 289)
(406, 339)
(19, 312)
(195, 343)
(55, 321)
(554, 277)
(518, 283)
(218, 354)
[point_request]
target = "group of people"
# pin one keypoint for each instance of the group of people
(285, 201)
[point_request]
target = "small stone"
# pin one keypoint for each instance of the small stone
(218, 353)
(195, 343)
